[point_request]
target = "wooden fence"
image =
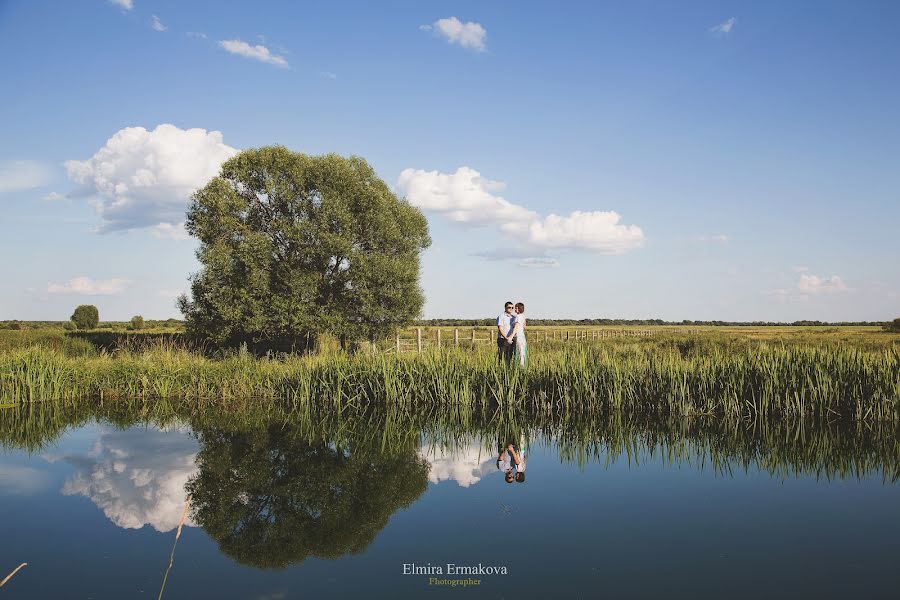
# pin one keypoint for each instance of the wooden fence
(439, 338)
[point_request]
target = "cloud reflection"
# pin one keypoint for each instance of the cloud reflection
(465, 464)
(137, 476)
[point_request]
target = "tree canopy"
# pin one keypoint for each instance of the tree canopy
(293, 245)
(86, 316)
(270, 499)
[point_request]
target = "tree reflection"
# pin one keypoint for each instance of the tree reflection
(270, 499)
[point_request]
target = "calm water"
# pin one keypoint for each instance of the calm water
(290, 510)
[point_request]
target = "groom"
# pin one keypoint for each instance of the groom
(506, 324)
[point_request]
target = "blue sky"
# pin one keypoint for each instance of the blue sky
(695, 160)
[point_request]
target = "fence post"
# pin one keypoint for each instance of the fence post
(419, 339)
(473, 336)
(398, 344)
(439, 338)
(455, 336)
(567, 335)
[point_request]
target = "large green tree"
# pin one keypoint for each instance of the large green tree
(271, 499)
(293, 245)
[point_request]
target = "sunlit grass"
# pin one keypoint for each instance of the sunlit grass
(716, 375)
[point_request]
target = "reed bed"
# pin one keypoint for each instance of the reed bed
(735, 379)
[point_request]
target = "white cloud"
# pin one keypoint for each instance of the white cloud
(463, 197)
(328, 75)
(21, 175)
(171, 231)
(720, 238)
(467, 197)
(723, 28)
(258, 52)
(137, 477)
(812, 285)
(197, 34)
(465, 465)
(54, 197)
(468, 35)
(16, 480)
(144, 179)
(125, 4)
(156, 24)
(85, 286)
(599, 231)
(538, 262)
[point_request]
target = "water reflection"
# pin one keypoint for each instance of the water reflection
(466, 464)
(270, 499)
(136, 477)
(457, 442)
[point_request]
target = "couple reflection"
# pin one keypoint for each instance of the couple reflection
(512, 462)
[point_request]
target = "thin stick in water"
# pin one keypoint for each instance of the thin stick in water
(187, 505)
(8, 577)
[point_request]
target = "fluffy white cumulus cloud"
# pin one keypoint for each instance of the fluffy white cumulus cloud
(125, 4)
(464, 196)
(813, 284)
(136, 477)
(465, 465)
(723, 28)
(585, 230)
(257, 52)
(85, 286)
(468, 35)
(144, 179)
(21, 175)
(467, 197)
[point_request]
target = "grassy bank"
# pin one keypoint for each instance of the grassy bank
(719, 375)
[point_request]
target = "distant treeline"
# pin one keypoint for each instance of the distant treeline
(148, 324)
(176, 323)
(624, 322)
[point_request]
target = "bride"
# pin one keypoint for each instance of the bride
(521, 350)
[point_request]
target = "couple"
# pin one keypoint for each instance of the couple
(511, 343)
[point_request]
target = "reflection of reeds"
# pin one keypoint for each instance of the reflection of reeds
(831, 449)
(10, 576)
(187, 505)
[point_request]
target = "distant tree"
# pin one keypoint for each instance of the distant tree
(136, 323)
(294, 245)
(893, 326)
(86, 316)
(270, 499)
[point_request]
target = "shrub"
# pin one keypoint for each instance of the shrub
(137, 322)
(69, 326)
(893, 326)
(86, 316)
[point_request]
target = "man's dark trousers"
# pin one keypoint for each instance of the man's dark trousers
(505, 349)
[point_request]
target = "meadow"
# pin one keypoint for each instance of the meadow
(736, 373)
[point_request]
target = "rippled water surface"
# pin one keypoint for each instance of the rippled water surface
(312, 508)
